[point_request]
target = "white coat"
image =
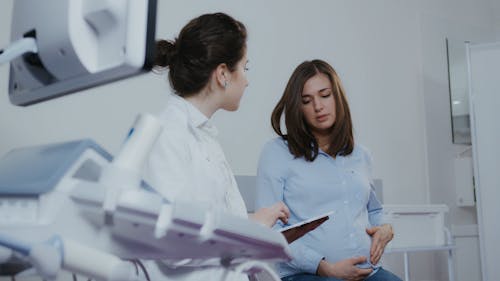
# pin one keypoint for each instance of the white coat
(187, 163)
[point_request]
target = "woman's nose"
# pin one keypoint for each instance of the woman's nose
(318, 106)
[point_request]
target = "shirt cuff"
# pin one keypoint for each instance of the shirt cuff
(377, 219)
(307, 260)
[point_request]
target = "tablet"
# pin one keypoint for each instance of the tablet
(306, 221)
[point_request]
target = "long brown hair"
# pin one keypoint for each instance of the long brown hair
(301, 141)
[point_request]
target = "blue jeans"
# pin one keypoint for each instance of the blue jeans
(380, 275)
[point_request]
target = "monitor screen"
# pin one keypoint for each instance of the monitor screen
(81, 44)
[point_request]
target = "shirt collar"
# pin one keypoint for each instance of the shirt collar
(195, 117)
(355, 154)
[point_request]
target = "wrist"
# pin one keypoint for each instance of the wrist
(325, 269)
(256, 218)
(320, 271)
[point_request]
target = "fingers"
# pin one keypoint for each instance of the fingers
(376, 242)
(363, 272)
(380, 237)
(375, 257)
(283, 213)
(283, 208)
(283, 217)
(358, 259)
(372, 249)
(360, 273)
(372, 230)
(375, 248)
(376, 251)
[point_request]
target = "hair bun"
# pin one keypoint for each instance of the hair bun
(166, 52)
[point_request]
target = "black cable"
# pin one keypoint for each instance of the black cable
(136, 267)
(74, 277)
(138, 264)
(143, 268)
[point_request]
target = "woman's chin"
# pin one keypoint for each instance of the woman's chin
(232, 107)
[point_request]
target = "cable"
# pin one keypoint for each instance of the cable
(143, 268)
(253, 267)
(18, 48)
(138, 264)
(135, 266)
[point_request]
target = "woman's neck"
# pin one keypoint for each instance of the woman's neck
(205, 102)
(323, 141)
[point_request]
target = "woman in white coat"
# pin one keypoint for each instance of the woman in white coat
(207, 71)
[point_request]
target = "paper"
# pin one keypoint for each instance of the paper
(306, 221)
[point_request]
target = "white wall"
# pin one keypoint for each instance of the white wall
(495, 8)
(358, 38)
(390, 55)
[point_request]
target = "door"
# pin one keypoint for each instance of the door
(484, 92)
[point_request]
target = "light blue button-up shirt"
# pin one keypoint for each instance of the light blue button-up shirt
(341, 184)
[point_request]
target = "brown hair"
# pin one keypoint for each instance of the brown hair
(301, 141)
(203, 44)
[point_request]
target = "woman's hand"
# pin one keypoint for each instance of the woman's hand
(268, 216)
(344, 269)
(381, 235)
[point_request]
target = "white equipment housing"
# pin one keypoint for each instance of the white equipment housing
(71, 198)
(80, 44)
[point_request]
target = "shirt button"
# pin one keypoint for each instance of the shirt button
(351, 235)
(343, 182)
(346, 202)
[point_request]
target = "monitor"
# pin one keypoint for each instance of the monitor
(81, 44)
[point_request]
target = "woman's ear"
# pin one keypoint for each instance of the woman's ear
(222, 75)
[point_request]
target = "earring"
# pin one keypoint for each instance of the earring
(225, 84)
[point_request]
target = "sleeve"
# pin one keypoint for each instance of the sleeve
(167, 168)
(304, 258)
(271, 183)
(375, 210)
(270, 178)
(374, 207)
